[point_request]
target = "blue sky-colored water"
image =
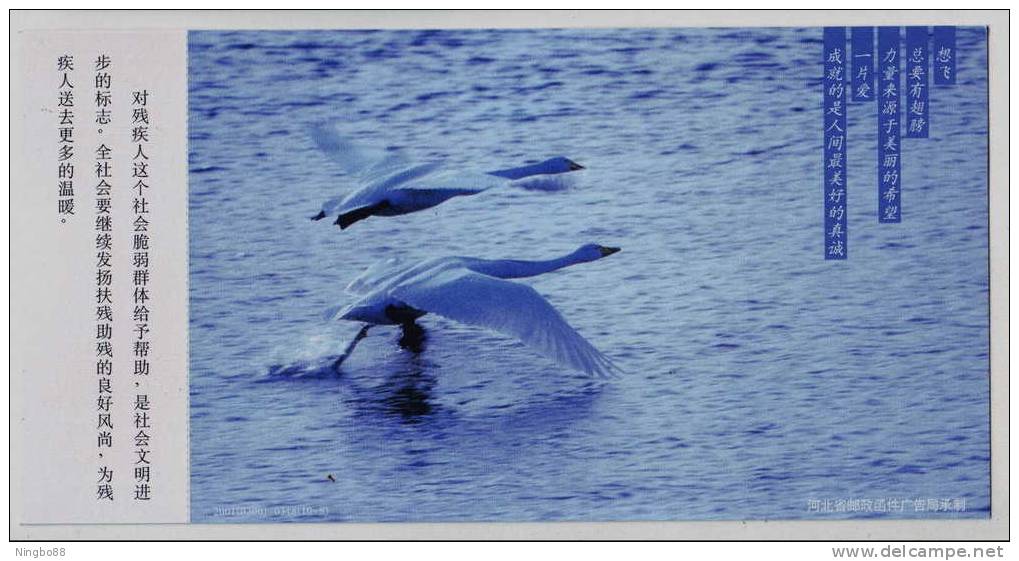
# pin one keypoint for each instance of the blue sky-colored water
(760, 379)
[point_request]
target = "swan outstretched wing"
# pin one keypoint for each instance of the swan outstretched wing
(507, 307)
(374, 275)
(356, 158)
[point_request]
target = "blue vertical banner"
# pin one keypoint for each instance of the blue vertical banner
(863, 63)
(889, 161)
(943, 51)
(834, 109)
(917, 64)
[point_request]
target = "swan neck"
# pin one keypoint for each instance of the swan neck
(519, 269)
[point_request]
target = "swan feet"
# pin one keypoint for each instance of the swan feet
(413, 337)
(347, 219)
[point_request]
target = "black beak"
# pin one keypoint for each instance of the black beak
(574, 166)
(609, 250)
(321, 214)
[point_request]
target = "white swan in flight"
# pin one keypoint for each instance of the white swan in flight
(391, 185)
(474, 291)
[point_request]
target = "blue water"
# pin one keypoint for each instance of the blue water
(759, 376)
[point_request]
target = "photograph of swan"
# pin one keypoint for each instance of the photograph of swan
(476, 292)
(391, 185)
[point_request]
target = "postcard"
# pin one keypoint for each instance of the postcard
(403, 273)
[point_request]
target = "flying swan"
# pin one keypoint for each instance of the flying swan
(392, 185)
(474, 291)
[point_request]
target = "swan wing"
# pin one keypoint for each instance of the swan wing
(356, 158)
(507, 307)
(377, 188)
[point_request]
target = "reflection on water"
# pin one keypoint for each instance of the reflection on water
(759, 377)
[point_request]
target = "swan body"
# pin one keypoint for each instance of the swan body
(392, 185)
(477, 292)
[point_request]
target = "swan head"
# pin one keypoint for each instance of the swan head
(594, 252)
(559, 164)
